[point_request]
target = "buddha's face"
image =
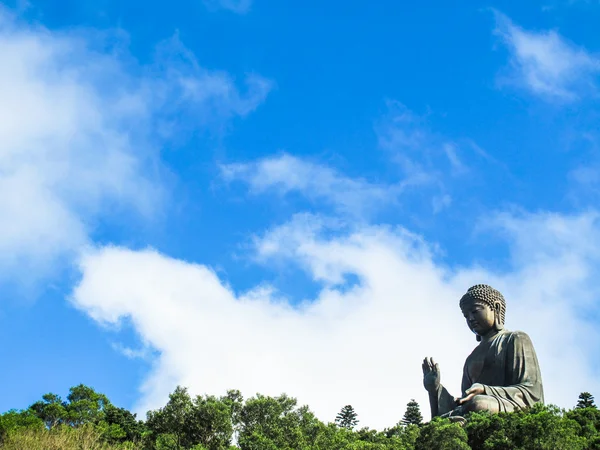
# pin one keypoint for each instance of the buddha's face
(479, 316)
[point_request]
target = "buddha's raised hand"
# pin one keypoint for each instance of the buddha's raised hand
(431, 374)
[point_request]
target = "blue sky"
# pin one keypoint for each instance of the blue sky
(270, 196)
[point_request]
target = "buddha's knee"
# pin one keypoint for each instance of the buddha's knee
(481, 403)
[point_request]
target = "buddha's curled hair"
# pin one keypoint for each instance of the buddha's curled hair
(485, 294)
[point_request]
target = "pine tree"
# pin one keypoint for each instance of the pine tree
(586, 400)
(413, 414)
(347, 418)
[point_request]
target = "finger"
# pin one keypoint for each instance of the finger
(430, 362)
(466, 399)
(437, 367)
(475, 389)
(425, 369)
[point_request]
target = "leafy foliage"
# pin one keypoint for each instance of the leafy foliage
(541, 428)
(14, 421)
(87, 419)
(440, 434)
(123, 425)
(185, 422)
(277, 423)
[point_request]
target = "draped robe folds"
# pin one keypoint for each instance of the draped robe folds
(507, 367)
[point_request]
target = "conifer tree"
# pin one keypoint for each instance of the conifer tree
(413, 414)
(586, 400)
(347, 418)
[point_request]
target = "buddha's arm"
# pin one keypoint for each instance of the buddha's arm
(441, 401)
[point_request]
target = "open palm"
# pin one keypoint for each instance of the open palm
(431, 374)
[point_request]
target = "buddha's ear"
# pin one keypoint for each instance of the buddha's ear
(497, 322)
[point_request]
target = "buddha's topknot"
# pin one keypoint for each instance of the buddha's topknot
(488, 295)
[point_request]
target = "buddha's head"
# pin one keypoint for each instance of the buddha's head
(484, 308)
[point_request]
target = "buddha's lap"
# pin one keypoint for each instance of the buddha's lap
(489, 403)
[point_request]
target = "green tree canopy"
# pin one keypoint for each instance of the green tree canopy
(276, 423)
(413, 414)
(85, 405)
(14, 420)
(586, 400)
(347, 418)
(540, 428)
(87, 419)
(52, 410)
(441, 434)
(203, 421)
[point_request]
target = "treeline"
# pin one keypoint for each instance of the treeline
(87, 420)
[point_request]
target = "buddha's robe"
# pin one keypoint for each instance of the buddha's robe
(507, 367)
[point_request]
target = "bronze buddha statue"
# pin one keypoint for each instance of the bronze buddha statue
(502, 373)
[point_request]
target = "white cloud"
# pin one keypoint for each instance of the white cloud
(358, 344)
(237, 6)
(285, 174)
(429, 164)
(77, 133)
(546, 64)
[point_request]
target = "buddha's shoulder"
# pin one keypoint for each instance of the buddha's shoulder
(516, 336)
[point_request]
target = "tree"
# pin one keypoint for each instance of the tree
(347, 418)
(15, 420)
(540, 427)
(412, 416)
(85, 405)
(586, 400)
(132, 429)
(52, 410)
(273, 423)
(172, 418)
(589, 421)
(185, 422)
(210, 423)
(441, 434)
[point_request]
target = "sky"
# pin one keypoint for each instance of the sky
(291, 197)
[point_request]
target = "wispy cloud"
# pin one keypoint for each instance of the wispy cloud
(430, 162)
(181, 86)
(130, 353)
(405, 135)
(361, 344)
(546, 64)
(424, 155)
(237, 6)
(78, 133)
(284, 174)
(455, 162)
